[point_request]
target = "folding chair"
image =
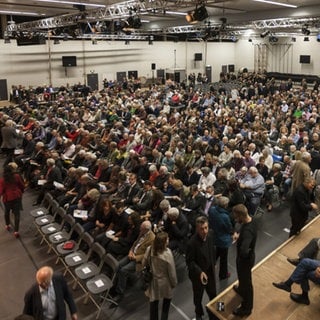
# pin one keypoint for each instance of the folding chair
(90, 268)
(59, 250)
(81, 256)
(101, 284)
(47, 218)
(55, 226)
(44, 206)
(62, 235)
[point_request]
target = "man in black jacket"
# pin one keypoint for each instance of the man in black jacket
(46, 299)
(246, 242)
(300, 205)
(200, 258)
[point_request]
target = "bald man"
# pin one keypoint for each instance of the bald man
(45, 299)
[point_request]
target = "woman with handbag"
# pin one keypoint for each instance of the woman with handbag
(164, 277)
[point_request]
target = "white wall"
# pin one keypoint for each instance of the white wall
(29, 65)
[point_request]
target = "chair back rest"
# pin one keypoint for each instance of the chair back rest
(47, 200)
(86, 244)
(97, 254)
(60, 216)
(69, 219)
(78, 231)
(54, 207)
(112, 263)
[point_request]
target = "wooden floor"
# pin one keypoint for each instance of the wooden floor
(4, 103)
(269, 302)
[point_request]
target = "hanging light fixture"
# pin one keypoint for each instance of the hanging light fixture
(198, 14)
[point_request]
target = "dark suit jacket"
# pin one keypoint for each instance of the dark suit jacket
(131, 194)
(33, 305)
(300, 203)
(200, 256)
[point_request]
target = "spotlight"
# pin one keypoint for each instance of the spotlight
(134, 22)
(150, 40)
(306, 39)
(264, 34)
(94, 41)
(305, 30)
(293, 39)
(273, 39)
(198, 14)
(127, 42)
(56, 41)
(7, 40)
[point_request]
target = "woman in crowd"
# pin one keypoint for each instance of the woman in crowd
(11, 190)
(164, 277)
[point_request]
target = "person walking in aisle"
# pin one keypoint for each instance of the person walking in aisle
(11, 190)
(164, 277)
(200, 258)
(246, 242)
(46, 298)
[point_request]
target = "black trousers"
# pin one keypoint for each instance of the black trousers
(13, 206)
(154, 312)
(198, 289)
(244, 266)
(222, 253)
(297, 223)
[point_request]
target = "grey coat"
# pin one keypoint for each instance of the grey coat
(164, 275)
(9, 137)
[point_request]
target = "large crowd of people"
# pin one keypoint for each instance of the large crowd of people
(165, 154)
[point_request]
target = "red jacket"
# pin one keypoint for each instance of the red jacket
(11, 191)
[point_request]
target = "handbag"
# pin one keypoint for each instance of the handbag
(68, 245)
(146, 273)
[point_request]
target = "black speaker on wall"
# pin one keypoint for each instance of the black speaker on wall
(153, 66)
(198, 57)
(305, 59)
(69, 61)
(231, 68)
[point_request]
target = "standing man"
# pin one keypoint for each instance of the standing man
(246, 242)
(9, 140)
(301, 204)
(46, 299)
(200, 258)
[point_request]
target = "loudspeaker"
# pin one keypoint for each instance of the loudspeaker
(198, 57)
(153, 66)
(69, 61)
(231, 68)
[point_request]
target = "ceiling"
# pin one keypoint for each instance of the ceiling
(164, 16)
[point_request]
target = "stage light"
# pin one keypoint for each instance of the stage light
(198, 14)
(127, 42)
(56, 41)
(150, 40)
(265, 33)
(306, 39)
(273, 39)
(305, 30)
